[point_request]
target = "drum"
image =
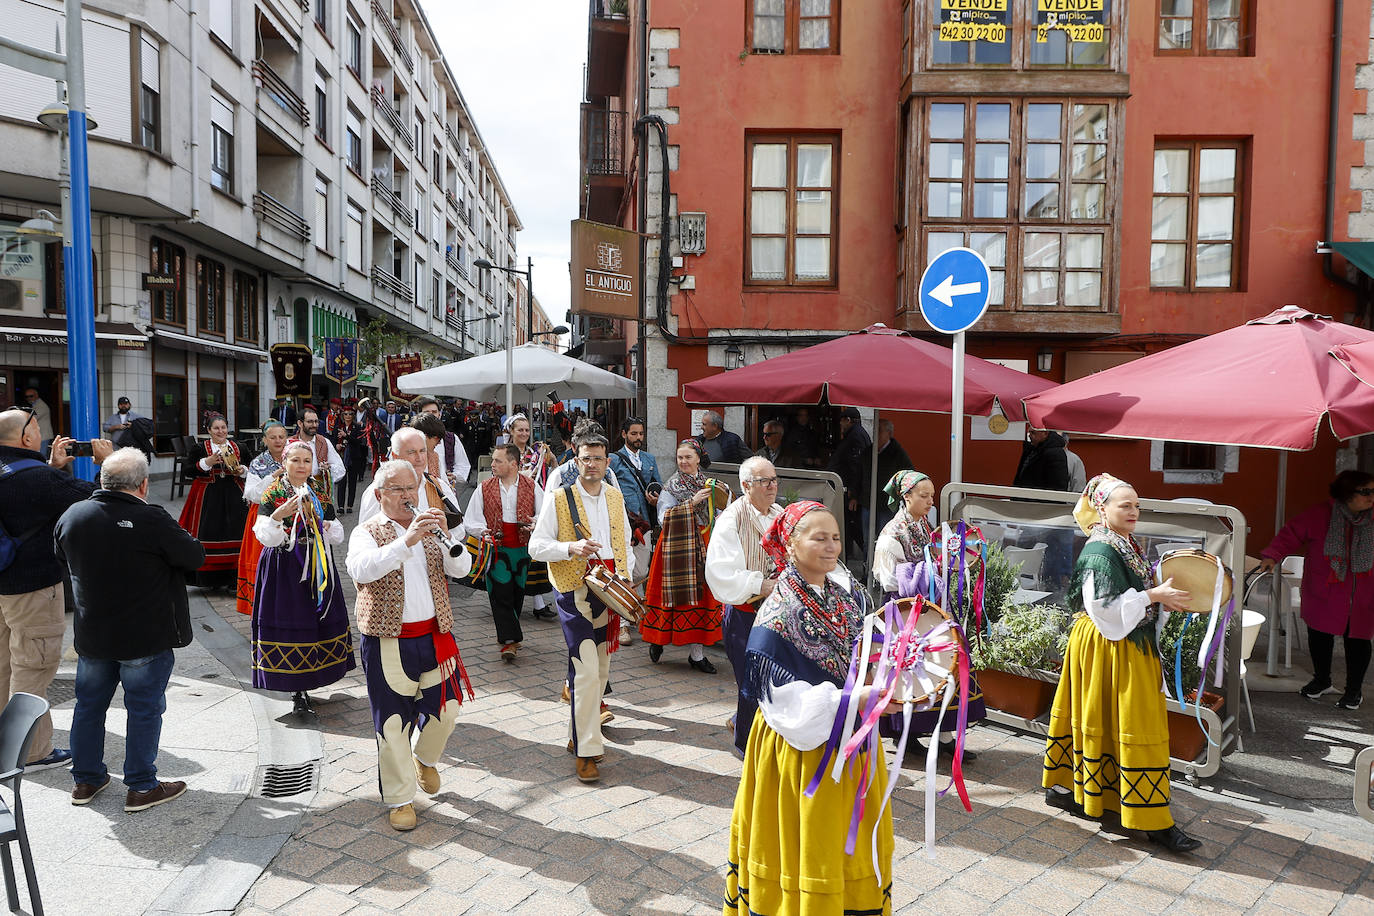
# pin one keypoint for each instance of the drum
(926, 687)
(616, 592)
(1195, 572)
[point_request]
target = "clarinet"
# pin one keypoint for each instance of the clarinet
(453, 549)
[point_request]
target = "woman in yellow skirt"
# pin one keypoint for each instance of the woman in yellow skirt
(787, 851)
(1108, 745)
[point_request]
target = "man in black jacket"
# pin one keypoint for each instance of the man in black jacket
(1044, 466)
(128, 562)
(891, 459)
(34, 492)
(847, 461)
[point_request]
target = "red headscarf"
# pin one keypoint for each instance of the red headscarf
(780, 532)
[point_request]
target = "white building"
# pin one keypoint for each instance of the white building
(297, 167)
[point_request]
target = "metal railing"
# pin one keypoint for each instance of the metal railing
(389, 26)
(392, 117)
(452, 199)
(386, 280)
(609, 9)
(465, 214)
(603, 141)
(455, 263)
(275, 213)
(279, 91)
(452, 137)
(389, 196)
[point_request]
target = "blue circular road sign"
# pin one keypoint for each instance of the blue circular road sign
(954, 290)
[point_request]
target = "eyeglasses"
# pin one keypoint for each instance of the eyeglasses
(593, 459)
(1365, 491)
(767, 434)
(765, 481)
(401, 489)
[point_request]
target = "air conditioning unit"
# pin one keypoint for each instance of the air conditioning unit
(691, 232)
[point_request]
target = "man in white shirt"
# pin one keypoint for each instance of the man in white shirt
(119, 423)
(502, 510)
(453, 457)
(741, 574)
(415, 676)
(325, 463)
(408, 444)
(582, 525)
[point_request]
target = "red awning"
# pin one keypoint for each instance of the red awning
(1358, 358)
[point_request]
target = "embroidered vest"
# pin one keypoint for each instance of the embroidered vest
(381, 604)
(566, 575)
(524, 506)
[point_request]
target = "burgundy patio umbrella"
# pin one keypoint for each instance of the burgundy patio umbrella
(1269, 383)
(1358, 358)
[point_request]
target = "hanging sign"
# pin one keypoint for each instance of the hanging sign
(397, 366)
(341, 359)
(291, 366)
(1080, 20)
(605, 270)
(973, 20)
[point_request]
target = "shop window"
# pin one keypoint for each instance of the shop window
(210, 296)
(1196, 215)
(1204, 27)
(168, 260)
(246, 405)
(169, 411)
(55, 279)
(211, 394)
(245, 306)
(794, 27)
(791, 210)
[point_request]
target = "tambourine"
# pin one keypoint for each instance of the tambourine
(616, 592)
(925, 686)
(1195, 571)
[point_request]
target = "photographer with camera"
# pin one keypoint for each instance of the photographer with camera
(33, 495)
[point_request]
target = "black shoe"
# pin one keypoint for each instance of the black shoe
(701, 664)
(1314, 689)
(300, 704)
(947, 750)
(1173, 839)
(1063, 801)
(544, 613)
(655, 653)
(1350, 701)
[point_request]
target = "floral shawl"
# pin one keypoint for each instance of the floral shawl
(914, 534)
(264, 465)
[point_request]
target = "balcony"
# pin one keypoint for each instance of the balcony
(605, 162)
(608, 43)
(273, 212)
(393, 117)
(383, 191)
(465, 214)
(279, 92)
(452, 200)
(456, 264)
(453, 321)
(385, 280)
(452, 137)
(389, 26)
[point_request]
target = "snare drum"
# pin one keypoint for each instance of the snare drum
(617, 592)
(925, 688)
(1195, 572)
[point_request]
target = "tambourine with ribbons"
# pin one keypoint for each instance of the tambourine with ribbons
(1209, 585)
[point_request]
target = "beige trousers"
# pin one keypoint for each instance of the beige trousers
(31, 629)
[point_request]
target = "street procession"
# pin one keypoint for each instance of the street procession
(974, 514)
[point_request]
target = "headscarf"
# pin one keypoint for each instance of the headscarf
(899, 486)
(705, 459)
(510, 421)
(1349, 541)
(1088, 514)
(784, 526)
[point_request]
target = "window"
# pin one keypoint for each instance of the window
(147, 106)
(1203, 27)
(322, 16)
(353, 141)
(420, 136)
(1196, 215)
(436, 297)
(420, 274)
(210, 296)
(245, 307)
(1020, 34)
(321, 224)
(794, 26)
(322, 107)
(222, 21)
(791, 210)
(353, 47)
(221, 143)
(418, 204)
(1057, 39)
(355, 236)
(168, 260)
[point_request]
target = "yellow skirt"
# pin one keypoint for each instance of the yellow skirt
(1109, 733)
(787, 851)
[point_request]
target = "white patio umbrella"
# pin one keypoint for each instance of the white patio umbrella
(536, 369)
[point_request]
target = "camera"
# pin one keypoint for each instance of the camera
(80, 448)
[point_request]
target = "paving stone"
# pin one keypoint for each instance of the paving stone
(347, 875)
(391, 892)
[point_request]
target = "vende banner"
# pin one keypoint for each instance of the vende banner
(291, 364)
(341, 359)
(397, 366)
(605, 270)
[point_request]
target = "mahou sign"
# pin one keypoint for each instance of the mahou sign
(605, 270)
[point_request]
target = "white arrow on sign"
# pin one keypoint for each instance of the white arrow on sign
(948, 289)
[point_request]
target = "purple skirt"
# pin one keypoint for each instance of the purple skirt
(296, 644)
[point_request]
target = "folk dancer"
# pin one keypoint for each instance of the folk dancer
(1108, 742)
(262, 473)
(410, 659)
(215, 512)
(536, 464)
(503, 510)
(679, 607)
(582, 525)
(301, 638)
(741, 574)
(408, 444)
(327, 466)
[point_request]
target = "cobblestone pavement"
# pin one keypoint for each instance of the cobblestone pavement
(512, 831)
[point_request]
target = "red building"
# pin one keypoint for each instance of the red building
(1137, 175)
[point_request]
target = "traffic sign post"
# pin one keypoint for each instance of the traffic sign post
(954, 293)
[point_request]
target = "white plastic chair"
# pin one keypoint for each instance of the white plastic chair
(1290, 606)
(1195, 500)
(1251, 622)
(1031, 560)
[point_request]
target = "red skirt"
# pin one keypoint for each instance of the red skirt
(214, 514)
(249, 551)
(678, 625)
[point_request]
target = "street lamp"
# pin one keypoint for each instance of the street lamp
(484, 264)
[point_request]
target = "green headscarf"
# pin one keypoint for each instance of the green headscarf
(901, 484)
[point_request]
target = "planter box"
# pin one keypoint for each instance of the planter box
(1186, 738)
(1027, 693)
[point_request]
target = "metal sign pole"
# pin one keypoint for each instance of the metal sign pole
(85, 390)
(956, 414)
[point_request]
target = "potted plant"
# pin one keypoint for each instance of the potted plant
(1186, 738)
(1017, 657)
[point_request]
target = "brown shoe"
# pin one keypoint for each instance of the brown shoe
(566, 697)
(587, 770)
(402, 818)
(428, 777)
(83, 792)
(508, 652)
(597, 758)
(606, 714)
(162, 792)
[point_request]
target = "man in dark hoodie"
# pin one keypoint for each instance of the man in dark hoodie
(1044, 466)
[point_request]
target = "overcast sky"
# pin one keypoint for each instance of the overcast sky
(519, 66)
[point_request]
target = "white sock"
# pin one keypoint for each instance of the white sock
(539, 602)
(697, 653)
